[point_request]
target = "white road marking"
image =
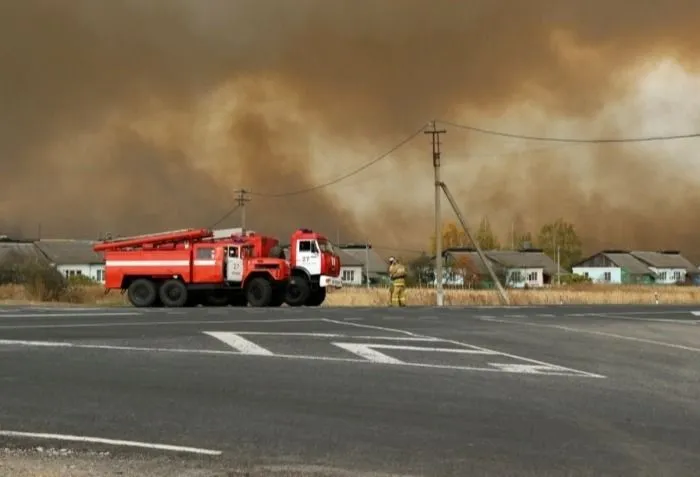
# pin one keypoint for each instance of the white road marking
(471, 350)
(553, 370)
(335, 335)
(373, 327)
(238, 342)
(599, 333)
(546, 315)
(50, 344)
(67, 315)
(696, 313)
(368, 353)
(114, 442)
(634, 318)
(612, 313)
(459, 343)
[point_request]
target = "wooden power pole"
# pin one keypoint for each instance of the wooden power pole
(241, 200)
(438, 219)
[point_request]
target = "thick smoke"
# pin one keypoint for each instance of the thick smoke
(131, 116)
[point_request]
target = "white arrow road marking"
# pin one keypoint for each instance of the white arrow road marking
(369, 351)
(114, 442)
(238, 342)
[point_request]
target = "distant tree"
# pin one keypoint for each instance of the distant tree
(486, 237)
(560, 234)
(420, 270)
(452, 236)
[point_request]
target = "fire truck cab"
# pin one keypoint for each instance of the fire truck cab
(315, 266)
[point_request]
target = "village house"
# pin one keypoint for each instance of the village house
(73, 258)
(357, 260)
(636, 267)
(524, 268)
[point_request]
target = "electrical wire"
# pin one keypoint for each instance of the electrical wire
(224, 217)
(349, 174)
(562, 139)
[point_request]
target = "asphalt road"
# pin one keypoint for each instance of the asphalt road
(529, 391)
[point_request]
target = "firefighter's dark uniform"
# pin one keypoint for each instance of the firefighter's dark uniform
(397, 273)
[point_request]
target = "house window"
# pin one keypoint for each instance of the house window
(662, 276)
(532, 277)
(516, 276)
(348, 275)
(99, 275)
(677, 276)
(607, 276)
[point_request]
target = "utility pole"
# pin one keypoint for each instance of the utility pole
(367, 261)
(501, 291)
(438, 219)
(242, 199)
(558, 265)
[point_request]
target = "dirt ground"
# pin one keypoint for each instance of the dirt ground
(57, 462)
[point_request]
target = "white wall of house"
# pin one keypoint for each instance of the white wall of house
(352, 274)
(93, 271)
(519, 277)
(600, 274)
(669, 275)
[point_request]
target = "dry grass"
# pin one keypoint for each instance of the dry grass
(93, 295)
(575, 294)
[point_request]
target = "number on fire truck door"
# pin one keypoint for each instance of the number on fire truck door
(234, 266)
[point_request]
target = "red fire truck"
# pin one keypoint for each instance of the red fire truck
(315, 266)
(191, 266)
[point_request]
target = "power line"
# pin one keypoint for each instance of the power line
(224, 217)
(349, 174)
(576, 140)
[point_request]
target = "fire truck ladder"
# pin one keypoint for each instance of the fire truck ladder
(153, 239)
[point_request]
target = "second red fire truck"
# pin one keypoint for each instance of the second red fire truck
(190, 267)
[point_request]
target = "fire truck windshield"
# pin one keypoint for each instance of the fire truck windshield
(325, 246)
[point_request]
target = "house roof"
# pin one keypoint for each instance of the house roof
(11, 251)
(629, 262)
(671, 259)
(505, 259)
(359, 253)
(69, 252)
(638, 262)
(348, 259)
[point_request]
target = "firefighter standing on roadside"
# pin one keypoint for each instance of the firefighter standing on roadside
(397, 273)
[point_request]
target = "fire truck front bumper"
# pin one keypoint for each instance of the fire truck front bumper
(330, 282)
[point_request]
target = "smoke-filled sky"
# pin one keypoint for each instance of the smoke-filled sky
(130, 116)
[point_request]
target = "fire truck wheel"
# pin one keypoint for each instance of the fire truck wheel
(317, 297)
(173, 293)
(142, 293)
(259, 292)
(297, 292)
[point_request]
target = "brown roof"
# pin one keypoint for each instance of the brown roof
(69, 252)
